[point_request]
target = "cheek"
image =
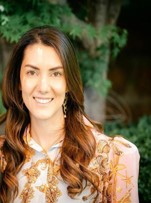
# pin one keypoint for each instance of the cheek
(26, 85)
(59, 87)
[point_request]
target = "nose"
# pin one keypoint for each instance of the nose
(44, 84)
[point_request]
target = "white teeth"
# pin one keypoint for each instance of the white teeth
(42, 101)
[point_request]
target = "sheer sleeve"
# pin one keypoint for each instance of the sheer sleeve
(124, 170)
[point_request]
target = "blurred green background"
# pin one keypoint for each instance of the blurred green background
(112, 41)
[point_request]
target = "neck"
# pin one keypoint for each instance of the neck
(47, 134)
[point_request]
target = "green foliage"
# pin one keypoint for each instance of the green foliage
(92, 70)
(94, 67)
(140, 135)
(115, 37)
(118, 40)
(14, 22)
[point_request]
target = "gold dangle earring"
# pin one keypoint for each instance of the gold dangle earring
(65, 106)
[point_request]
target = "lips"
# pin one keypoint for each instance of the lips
(43, 100)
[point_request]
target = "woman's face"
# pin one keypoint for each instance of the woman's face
(43, 83)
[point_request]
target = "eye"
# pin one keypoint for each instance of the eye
(31, 72)
(56, 74)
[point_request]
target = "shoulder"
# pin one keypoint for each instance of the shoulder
(117, 145)
(124, 146)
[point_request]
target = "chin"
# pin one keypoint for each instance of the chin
(40, 116)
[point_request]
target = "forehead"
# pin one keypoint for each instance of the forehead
(40, 49)
(41, 54)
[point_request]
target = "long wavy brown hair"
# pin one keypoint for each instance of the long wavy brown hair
(79, 144)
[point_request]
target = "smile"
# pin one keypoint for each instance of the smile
(43, 100)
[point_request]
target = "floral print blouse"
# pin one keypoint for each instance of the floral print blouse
(116, 162)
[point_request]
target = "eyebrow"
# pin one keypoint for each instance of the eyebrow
(50, 69)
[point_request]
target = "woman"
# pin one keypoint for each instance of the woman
(51, 151)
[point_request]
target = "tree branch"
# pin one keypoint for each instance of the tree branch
(97, 12)
(113, 11)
